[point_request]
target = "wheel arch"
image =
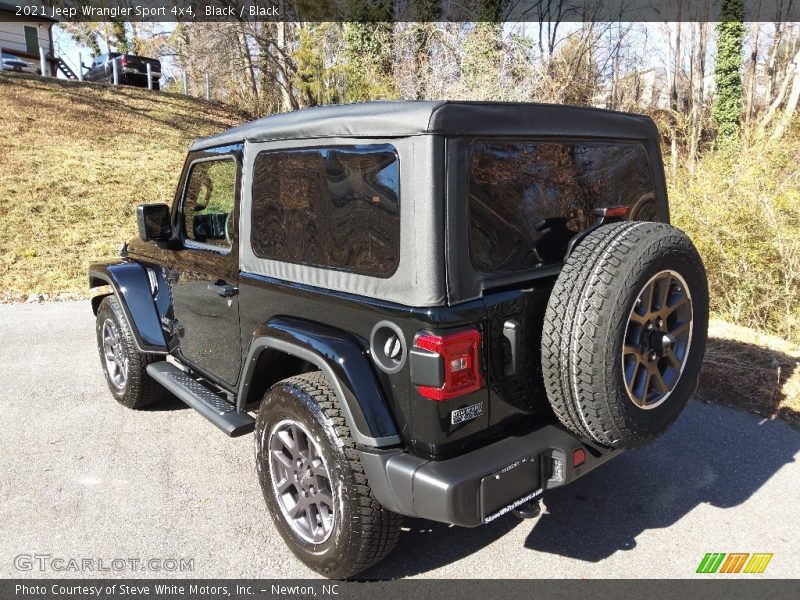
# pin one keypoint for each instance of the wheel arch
(337, 355)
(129, 283)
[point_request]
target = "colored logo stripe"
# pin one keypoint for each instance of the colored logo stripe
(713, 562)
(757, 563)
(734, 562)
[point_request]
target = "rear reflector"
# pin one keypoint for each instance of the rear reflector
(578, 457)
(459, 354)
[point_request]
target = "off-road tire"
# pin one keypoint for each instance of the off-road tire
(140, 389)
(364, 532)
(586, 320)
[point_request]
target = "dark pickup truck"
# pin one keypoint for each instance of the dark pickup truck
(132, 69)
(433, 309)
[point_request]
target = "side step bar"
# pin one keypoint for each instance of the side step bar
(212, 406)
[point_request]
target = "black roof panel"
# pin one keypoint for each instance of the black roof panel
(403, 118)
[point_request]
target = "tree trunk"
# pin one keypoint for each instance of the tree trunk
(773, 56)
(781, 97)
(244, 49)
(674, 98)
(286, 101)
(791, 103)
(751, 85)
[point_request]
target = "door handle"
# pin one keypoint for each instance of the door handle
(223, 288)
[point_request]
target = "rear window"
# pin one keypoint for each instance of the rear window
(336, 208)
(527, 199)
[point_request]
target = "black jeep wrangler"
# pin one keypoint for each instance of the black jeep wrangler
(435, 309)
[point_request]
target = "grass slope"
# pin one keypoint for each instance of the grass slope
(75, 160)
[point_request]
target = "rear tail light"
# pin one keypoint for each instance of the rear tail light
(123, 61)
(612, 212)
(458, 353)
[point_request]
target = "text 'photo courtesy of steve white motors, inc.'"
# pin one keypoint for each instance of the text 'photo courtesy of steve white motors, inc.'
(206, 589)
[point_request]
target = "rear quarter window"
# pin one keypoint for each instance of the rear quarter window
(336, 208)
(527, 199)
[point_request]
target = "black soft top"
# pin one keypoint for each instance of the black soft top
(419, 117)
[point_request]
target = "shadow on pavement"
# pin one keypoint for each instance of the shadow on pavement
(169, 402)
(426, 545)
(712, 455)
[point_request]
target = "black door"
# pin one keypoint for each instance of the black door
(205, 274)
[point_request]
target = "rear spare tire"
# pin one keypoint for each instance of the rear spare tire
(625, 333)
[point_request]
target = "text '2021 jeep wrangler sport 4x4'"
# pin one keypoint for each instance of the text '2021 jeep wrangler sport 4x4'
(435, 309)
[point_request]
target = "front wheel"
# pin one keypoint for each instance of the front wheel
(125, 368)
(313, 481)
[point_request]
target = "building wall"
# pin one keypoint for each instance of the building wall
(13, 40)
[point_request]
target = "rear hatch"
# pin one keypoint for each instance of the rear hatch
(139, 63)
(526, 200)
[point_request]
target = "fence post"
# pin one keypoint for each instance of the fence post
(185, 83)
(42, 62)
(149, 76)
(115, 70)
(208, 88)
(80, 67)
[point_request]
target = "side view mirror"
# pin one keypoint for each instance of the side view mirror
(154, 222)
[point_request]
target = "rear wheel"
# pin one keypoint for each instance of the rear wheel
(625, 333)
(123, 365)
(313, 482)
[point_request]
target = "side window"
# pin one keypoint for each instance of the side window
(336, 208)
(208, 202)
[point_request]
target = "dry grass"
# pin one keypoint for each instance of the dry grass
(75, 159)
(752, 371)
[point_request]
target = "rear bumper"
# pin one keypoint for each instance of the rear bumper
(131, 71)
(479, 486)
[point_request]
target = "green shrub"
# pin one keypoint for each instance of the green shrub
(743, 213)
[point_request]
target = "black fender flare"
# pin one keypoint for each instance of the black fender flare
(131, 286)
(345, 364)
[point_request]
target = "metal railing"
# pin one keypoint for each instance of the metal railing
(115, 72)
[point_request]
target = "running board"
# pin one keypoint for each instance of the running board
(211, 405)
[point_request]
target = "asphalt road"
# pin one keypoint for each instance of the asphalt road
(83, 477)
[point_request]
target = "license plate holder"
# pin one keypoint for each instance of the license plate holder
(509, 487)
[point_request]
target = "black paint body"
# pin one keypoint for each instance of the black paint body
(212, 334)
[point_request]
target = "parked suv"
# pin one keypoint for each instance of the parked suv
(433, 309)
(15, 63)
(132, 69)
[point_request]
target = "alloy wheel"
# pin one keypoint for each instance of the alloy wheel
(301, 481)
(657, 339)
(116, 358)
